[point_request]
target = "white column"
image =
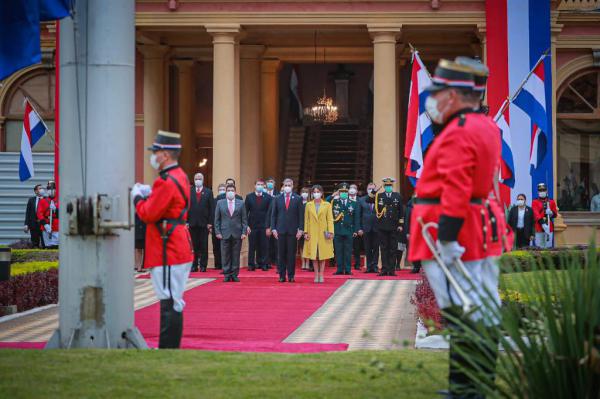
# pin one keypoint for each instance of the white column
(386, 151)
(226, 138)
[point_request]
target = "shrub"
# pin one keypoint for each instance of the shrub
(427, 307)
(17, 269)
(30, 290)
(21, 244)
(34, 255)
(522, 260)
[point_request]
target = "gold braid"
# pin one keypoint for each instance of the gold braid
(377, 213)
(339, 217)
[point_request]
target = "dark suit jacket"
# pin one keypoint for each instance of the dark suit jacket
(368, 218)
(257, 214)
(201, 213)
(270, 210)
(31, 219)
(513, 218)
(222, 196)
(287, 221)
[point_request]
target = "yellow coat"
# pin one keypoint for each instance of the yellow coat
(316, 226)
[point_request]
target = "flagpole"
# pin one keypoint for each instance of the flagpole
(510, 99)
(41, 120)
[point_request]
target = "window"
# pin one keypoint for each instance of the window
(578, 133)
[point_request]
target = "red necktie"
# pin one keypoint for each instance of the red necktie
(198, 196)
(258, 199)
(287, 202)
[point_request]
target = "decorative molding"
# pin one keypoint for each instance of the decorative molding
(578, 5)
(334, 54)
(150, 51)
(571, 67)
(578, 41)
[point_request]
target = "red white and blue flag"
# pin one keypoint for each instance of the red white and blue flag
(518, 34)
(507, 164)
(33, 130)
(419, 132)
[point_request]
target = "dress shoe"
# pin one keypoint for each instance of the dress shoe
(227, 279)
(391, 274)
(338, 273)
(348, 273)
(235, 279)
(356, 267)
(281, 280)
(203, 269)
(291, 280)
(415, 270)
(251, 268)
(194, 269)
(382, 274)
(264, 268)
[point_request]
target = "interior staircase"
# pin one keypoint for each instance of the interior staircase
(336, 153)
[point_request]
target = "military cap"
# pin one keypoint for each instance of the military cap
(343, 187)
(450, 74)
(388, 181)
(542, 187)
(480, 71)
(166, 141)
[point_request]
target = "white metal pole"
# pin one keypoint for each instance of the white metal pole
(97, 61)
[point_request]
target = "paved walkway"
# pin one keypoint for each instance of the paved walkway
(39, 326)
(366, 314)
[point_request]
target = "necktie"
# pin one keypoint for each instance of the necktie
(198, 195)
(287, 201)
(231, 208)
(258, 199)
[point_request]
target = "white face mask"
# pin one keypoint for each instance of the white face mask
(352, 191)
(51, 193)
(259, 188)
(198, 183)
(153, 162)
(543, 194)
(221, 192)
(371, 189)
(41, 192)
(230, 195)
(287, 189)
(431, 106)
(304, 195)
(520, 202)
(317, 195)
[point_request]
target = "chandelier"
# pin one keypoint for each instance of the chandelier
(324, 110)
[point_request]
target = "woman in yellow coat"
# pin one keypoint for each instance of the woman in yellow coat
(318, 236)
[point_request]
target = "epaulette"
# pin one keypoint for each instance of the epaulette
(461, 120)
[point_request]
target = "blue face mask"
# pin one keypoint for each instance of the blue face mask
(343, 195)
(388, 189)
(270, 186)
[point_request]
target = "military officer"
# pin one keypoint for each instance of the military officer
(544, 212)
(389, 212)
(47, 214)
(346, 224)
(454, 191)
(168, 254)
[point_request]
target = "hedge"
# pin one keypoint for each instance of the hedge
(517, 261)
(30, 290)
(34, 255)
(17, 269)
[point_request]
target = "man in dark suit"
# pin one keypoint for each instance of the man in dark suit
(357, 240)
(369, 230)
(231, 225)
(200, 220)
(257, 207)
(215, 240)
(520, 219)
(271, 241)
(287, 225)
(31, 224)
(388, 211)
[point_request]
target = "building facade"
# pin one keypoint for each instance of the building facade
(222, 74)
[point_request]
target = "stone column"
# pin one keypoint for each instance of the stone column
(250, 139)
(269, 117)
(226, 138)
(185, 97)
(154, 98)
(386, 150)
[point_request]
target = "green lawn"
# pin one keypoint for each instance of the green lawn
(197, 374)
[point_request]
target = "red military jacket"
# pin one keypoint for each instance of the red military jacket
(44, 212)
(166, 202)
(459, 170)
(539, 213)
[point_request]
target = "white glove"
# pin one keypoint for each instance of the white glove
(52, 205)
(549, 211)
(140, 190)
(48, 228)
(546, 228)
(450, 251)
(146, 190)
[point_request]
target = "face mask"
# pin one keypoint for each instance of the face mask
(198, 183)
(371, 190)
(543, 194)
(352, 191)
(259, 188)
(304, 195)
(317, 195)
(270, 186)
(431, 106)
(520, 202)
(287, 189)
(51, 193)
(41, 192)
(221, 192)
(388, 189)
(230, 195)
(153, 162)
(343, 195)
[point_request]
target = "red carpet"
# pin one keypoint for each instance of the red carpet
(255, 315)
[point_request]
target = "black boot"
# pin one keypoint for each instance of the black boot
(171, 325)
(416, 267)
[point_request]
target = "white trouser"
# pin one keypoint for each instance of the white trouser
(544, 240)
(482, 289)
(179, 276)
(50, 239)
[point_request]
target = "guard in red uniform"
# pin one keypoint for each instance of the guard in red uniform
(458, 176)
(47, 214)
(168, 252)
(544, 212)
